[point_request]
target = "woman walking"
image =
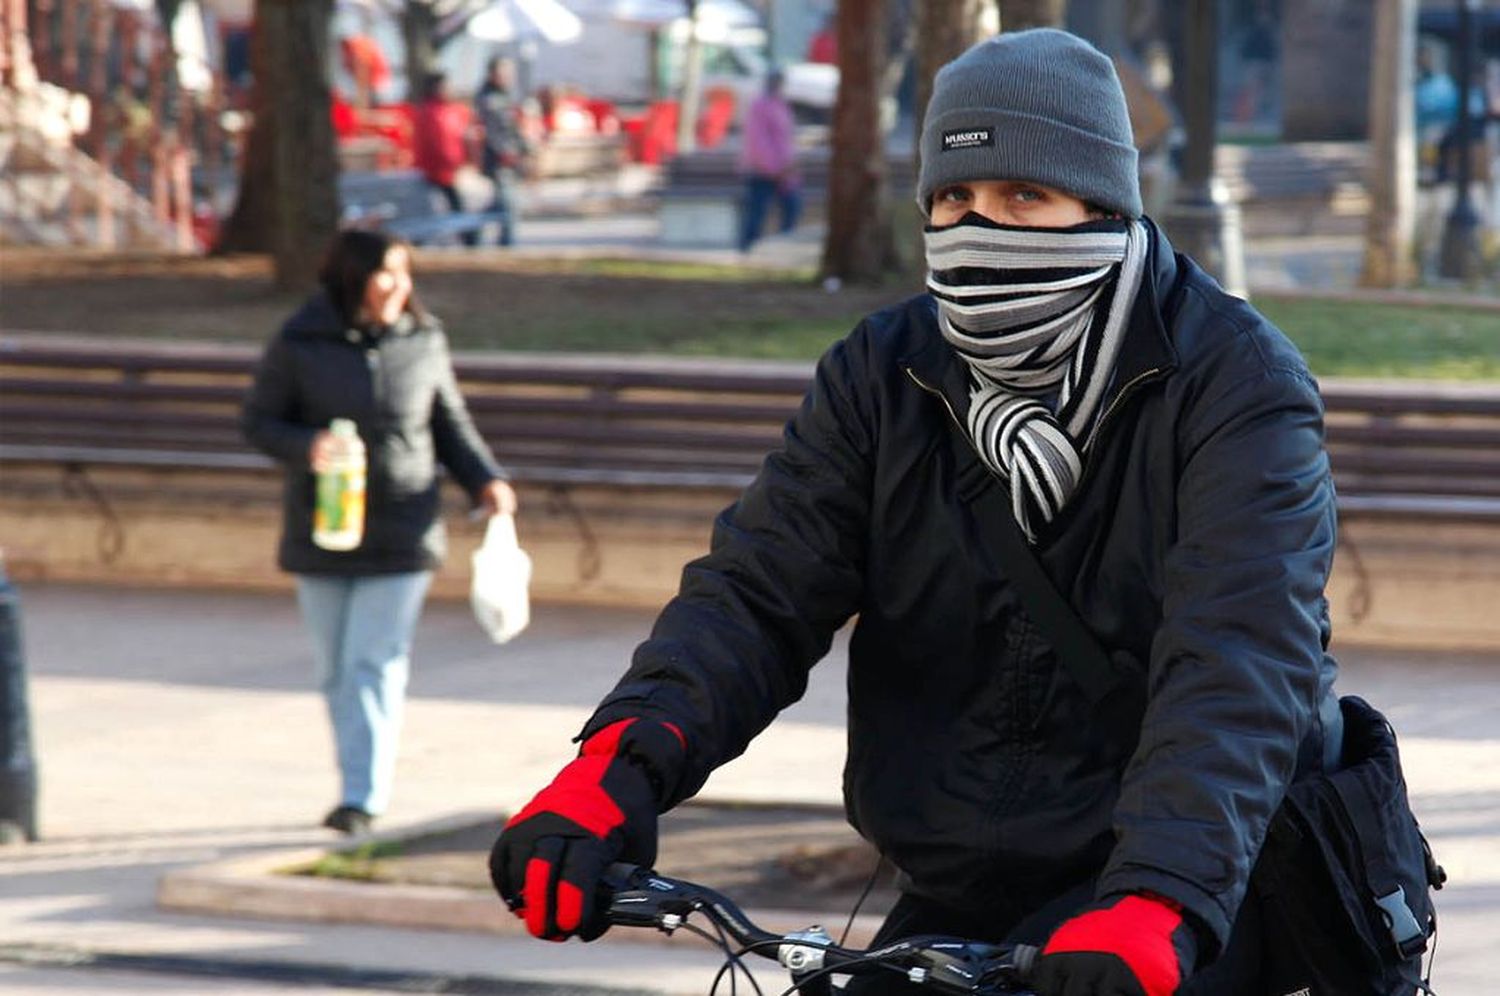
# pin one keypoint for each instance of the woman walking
(363, 349)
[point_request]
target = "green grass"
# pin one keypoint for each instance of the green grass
(772, 337)
(360, 863)
(636, 306)
(666, 270)
(1342, 339)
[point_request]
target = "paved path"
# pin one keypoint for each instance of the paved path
(179, 727)
(1321, 263)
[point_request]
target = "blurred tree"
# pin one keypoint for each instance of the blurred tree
(428, 25)
(1390, 229)
(692, 82)
(288, 201)
(945, 30)
(859, 247)
(1018, 15)
(419, 30)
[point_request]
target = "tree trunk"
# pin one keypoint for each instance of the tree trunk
(419, 31)
(1018, 15)
(1389, 258)
(690, 96)
(288, 200)
(945, 30)
(859, 247)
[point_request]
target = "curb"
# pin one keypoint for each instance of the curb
(283, 974)
(258, 886)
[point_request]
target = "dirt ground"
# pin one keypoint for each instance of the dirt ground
(487, 300)
(759, 856)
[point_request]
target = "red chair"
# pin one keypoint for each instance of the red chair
(606, 117)
(717, 117)
(659, 138)
(345, 120)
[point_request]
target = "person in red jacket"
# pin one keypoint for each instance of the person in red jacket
(440, 128)
(824, 46)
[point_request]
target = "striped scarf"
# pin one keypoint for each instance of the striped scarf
(1038, 316)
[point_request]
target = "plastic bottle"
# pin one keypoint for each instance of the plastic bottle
(339, 515)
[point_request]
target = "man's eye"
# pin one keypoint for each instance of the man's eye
(1028, 194)
(953, 193)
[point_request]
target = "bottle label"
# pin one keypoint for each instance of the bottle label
(339, 514)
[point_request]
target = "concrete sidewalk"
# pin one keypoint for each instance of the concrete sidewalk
(179, 728)
(1327, 263)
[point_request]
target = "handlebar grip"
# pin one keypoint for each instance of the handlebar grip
(1024, 957)
(622, 875)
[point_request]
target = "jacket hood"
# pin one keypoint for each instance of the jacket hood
(316, 316)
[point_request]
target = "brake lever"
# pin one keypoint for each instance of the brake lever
(964, 966)
(638, 898)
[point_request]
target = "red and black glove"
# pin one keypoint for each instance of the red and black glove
(1135, 945)
(600, 809)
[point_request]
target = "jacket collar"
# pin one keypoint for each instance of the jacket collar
(1147, 348)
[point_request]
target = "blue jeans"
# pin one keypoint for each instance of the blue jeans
(760, 191)
(362, 631)
(455, 206)
(503, 205)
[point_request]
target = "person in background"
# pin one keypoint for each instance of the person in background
(824, 45)
(768, 158)
(1491, 130)
(363, 348)
(367, 66)
(440, 128)
(1072, 392)
(503, 147)
(18, 765)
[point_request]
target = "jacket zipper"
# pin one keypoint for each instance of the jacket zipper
(1002, 792)
(372, 361)
(1089, 448)
(937, 394)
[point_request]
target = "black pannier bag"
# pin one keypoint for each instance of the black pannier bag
(1344, 879)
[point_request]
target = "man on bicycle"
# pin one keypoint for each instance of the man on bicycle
(1157, 443)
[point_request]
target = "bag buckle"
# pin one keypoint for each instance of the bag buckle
(1402, 923)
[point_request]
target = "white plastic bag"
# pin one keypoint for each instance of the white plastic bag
(502, 574)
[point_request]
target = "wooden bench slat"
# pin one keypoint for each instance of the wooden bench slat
(123, 390)
(1423, 437)
(647, 422)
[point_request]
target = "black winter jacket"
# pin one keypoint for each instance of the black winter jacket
(400, 390)
(1196, 549)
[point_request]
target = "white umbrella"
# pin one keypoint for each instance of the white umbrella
(729, 13)
(512, 20)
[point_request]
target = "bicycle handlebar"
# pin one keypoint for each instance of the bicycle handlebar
(639, 897)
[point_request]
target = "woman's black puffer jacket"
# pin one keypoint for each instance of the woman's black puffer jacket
(399, 388)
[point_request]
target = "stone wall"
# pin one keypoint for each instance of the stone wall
(1396, 582)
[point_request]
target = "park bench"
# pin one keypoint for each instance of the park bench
(1418, 450)
(550, 420)
(1298, 188)
(402, 203)
(1423, 451)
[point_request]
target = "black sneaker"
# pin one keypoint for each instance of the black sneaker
(349, 820)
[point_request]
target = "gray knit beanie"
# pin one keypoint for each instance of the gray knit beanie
(1041, 105)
